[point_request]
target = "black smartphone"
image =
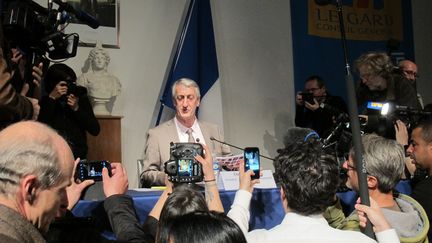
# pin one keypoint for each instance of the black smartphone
(92, 169)
(252, 161)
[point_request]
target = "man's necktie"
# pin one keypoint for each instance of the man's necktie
(191, 139)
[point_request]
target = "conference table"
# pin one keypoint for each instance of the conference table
(266, 206)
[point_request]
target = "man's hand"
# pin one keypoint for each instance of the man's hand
(34, 102)
(245, 178)
(207, 164)
(313, 106)
(75, 189)
(37, 74)
(59, 90)
(374, 214)
(117, 183)
(16, 55)
(401, 133)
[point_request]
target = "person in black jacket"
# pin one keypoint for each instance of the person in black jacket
(320, 113)
(66, 108)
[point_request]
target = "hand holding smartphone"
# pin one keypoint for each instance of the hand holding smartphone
(252, 161)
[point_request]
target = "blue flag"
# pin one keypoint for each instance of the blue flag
(195, 56)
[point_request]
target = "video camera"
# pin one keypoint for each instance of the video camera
(182, 166)
(383, 123)
(35, 29)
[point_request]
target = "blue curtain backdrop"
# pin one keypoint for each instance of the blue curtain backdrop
(195, 56)
(323, 56)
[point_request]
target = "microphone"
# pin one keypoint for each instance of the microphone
(214, 139)
(79, 14)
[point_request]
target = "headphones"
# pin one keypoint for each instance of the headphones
(311, 134)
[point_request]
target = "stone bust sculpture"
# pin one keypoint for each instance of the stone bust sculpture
(102, 86)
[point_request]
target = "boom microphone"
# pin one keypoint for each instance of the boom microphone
(214, 139)
(79, 14)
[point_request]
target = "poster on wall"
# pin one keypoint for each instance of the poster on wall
(107, 13)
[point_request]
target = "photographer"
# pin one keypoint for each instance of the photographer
(380, 83)
(67, 108)
(320, 112)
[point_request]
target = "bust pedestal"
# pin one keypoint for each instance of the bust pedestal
(99, 106)
(106, 145)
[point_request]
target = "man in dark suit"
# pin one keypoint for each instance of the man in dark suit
(184, 127)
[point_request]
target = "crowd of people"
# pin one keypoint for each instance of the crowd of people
(43, 138)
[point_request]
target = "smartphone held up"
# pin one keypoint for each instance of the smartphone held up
(252, 161)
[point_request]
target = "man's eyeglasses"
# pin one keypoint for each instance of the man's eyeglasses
(409, 72)
(312, 90)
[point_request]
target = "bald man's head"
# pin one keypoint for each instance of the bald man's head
(33, 139)
(36, 166)
(408, 70)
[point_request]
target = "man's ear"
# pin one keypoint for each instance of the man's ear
(29, 185)
(282, 193)
(372, 182)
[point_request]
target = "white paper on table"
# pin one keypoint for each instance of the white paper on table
(230, 180)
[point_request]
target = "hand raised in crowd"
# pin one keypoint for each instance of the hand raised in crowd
(313, 106)
(72, 102)
(246, 183)
(207, 163)
(59, 90)
(117, 183)
(76, 188)
(34, 102)
(299, 99)
(211, 190)
(401, 132)
(16, 55)
(374, 214)
(37, 74)
(37, 80)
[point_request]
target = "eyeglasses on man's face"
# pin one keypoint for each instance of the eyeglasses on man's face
(410, 73)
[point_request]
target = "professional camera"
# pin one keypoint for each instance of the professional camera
(383, 123)
(307, 97)
(35, 29)
(182, 166)
(75, 89)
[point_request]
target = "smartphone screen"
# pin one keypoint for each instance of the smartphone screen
(185, 167)
(252, 161)
(92, 170)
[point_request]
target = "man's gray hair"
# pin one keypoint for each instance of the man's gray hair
(185, 82)
(384, 159)
(21, 156)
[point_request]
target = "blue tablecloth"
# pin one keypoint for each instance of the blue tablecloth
(266, 206)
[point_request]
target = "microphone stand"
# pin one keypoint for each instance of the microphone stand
(355, 124)
(214, 139)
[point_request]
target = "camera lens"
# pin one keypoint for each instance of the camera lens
(187, 152)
